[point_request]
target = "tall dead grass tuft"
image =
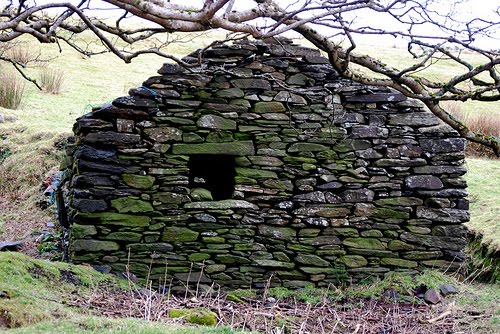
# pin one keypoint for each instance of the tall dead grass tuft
(51, 80)
(488, 124)
(20, 52)
(11, 90)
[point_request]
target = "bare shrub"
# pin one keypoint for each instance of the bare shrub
(11, 90)
(488, 124)
(51, 80)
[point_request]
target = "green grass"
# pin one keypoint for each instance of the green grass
(36, 290)
(484, 247)
(99, 325)
(35, 297)
(483, 181)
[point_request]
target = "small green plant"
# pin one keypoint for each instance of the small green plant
(4, 153)
(11, 90)
(50, 244)
(51, 80)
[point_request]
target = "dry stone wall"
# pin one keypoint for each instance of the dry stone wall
(262, 163)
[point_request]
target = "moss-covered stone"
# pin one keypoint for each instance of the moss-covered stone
(422, 255)
(232, 259)
(353, 261)
(111, 218)
(164, 134)
(129, 204)
(368, 243)
(124, 236)
(245, 180)
(306, 147)
(299, 160)
(219, 137)
(311, 260)
(215, 268)
(247, 232)
(398, 245)
(161, 247)
(318, 270)
(179, 234)
(94, 245)
(222, 205)
(372, 234)
(198, 257)
(269, 107)
(200, 317)
(215, 122)
(201, 194)
(170, 198)
(285, 185)
(419, 229)
(230, 93)
(300, 247)
(213, 240)
(386, 213)
(255, 173)
(344, 231)
(399, 201)
(237, 148)
(79, 231)
(395, 262)
(274, 264)
(249, 247)
(309, 232)
(138, 181)
(281, 233)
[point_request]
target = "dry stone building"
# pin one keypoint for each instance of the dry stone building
(262, 162)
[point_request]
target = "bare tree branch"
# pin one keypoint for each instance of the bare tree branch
(434, 33)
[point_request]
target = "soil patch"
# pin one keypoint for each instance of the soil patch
(348, 315)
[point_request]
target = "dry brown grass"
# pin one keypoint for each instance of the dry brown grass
(346, 315)
(18, 224)
(11, 90)
(51, 80)
(21, 52)
(488, 124)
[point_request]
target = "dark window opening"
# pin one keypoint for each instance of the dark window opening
(213, 172)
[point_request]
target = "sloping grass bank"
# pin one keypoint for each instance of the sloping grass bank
(38, 296)
(484, 246)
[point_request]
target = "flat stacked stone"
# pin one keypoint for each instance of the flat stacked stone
(333, 180)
